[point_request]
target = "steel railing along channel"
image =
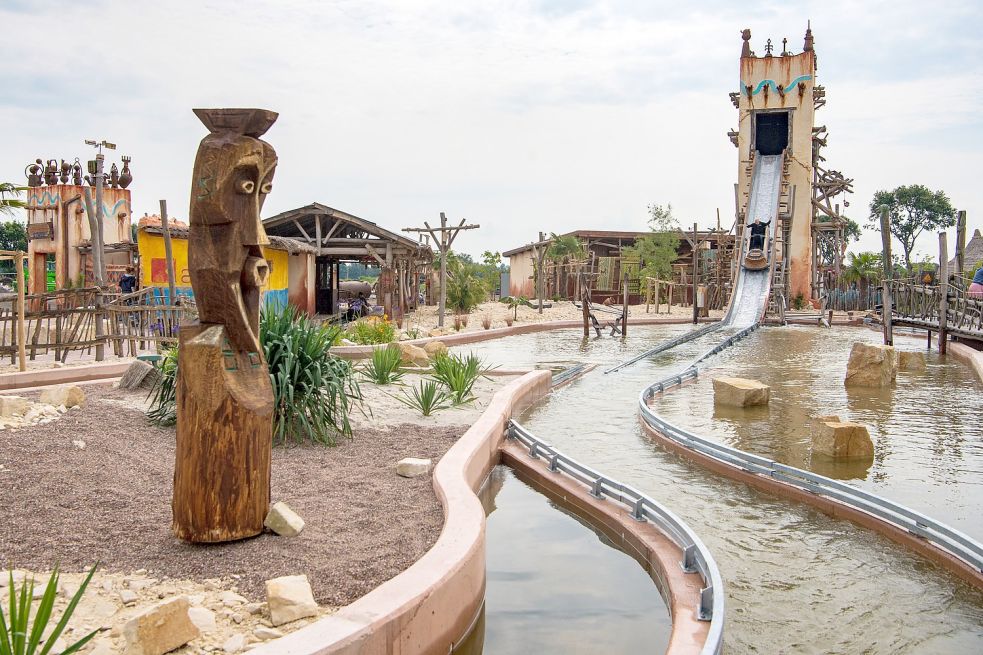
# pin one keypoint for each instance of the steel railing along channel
(696, 556)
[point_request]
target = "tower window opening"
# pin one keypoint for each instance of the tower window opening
(771, 132)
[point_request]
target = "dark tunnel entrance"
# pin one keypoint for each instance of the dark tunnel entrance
(771, 132)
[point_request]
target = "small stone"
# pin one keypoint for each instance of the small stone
(196, 599)
(283, 520)
(143, 583)
(107, 585)
(11, 405)
(231, 598)
(265, 634)
(78, 443)
(128, 597)
(412, 467)
(871, 365)
(290, 598)
(254, 608)
(234, 644)
(203, 618)
(843, 440)
(237, 618)
(911, 360)
(69, 395)
(740, 392)
(159, 629)
(433, 348)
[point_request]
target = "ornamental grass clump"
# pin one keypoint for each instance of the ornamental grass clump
(427, 397)
(458, 374)
(383, 368)
(20, 636)
(313, 391)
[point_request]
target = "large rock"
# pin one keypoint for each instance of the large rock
(871, 365)
(69, 395)
(159, 629)
(435, 347)
(740, 392)
(412, 467)
(203, 618)
(283, 520)
(290, 598)
(139, 375)
(413, 355)
(843, 440)
(11, 405)
(911, 360)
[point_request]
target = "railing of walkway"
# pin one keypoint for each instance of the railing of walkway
(696, 556)
(938, 534)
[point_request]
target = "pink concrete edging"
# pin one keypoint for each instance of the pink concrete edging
(45, 377)
(972, 357)
(428, 607)
(462, 338)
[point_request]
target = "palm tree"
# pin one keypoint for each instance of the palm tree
(9, 198)
(564, 249)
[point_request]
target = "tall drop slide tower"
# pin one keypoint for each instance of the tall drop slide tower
(777, 103)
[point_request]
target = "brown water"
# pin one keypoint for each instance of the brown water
(797, 581)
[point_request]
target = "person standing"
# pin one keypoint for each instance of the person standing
(127, 281)
(976, 286)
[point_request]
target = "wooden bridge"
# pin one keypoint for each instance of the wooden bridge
(921, 306)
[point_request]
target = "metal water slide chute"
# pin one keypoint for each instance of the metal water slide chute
(749, 298)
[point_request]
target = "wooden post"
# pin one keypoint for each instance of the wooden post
(444, 243)
(21, 332)
(540, 252)
(585, 302)
(648, 294)
(888, 274)
(961, 242)
(658, 283)
(943, 292)
(624, 305)
(168, 253)
(696, 264)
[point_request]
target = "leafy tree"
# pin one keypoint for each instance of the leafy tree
(658, 250)
(851, 233)
(866, 266)
(9, 200)
(912, 209)
(13, 236)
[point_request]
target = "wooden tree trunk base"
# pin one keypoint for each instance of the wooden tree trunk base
(224, 439)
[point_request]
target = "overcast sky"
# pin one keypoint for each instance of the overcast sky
(549, 115)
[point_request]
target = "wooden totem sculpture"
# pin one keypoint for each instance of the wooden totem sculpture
(224, 394)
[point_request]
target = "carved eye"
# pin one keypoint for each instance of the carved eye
(266, 188)
(245, 186)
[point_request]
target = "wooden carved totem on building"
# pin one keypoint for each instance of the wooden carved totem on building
(224, 394)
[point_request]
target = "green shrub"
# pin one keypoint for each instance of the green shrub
(383, 368)
(372, 330)
(163, 397)
(313, 391)
(465, 291)
(427, 397)
(458, 374)
(15, 636)
(799, 302)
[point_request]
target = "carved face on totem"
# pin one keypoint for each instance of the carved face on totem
(232, 176)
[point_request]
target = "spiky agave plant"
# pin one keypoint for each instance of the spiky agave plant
(458, 374)
(163, 397)
(20, 636)
(427, 397)
(383, 367)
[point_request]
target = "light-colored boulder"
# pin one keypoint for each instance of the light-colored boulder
(203, 618)
(412, 467)
(69, 395)
(283, 520)
(911, 360)
(139, 375)
(159, 629)
(843, 440)
(871, 365)
(435, 347)
(740, 392)
(413, 355)
(11, 405)
(290, 598)
(265, 634)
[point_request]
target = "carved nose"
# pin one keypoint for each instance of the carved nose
(255, 272)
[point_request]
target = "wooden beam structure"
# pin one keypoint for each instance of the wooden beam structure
(444, 242)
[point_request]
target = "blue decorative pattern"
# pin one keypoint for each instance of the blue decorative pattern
(48, 200)
(763, 83)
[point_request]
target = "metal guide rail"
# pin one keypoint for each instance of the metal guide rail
(667, 345)
(938, 534)
(696, 556)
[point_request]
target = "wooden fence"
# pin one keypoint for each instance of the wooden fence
(146, 319)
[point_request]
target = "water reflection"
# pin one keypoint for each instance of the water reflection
(555, 585)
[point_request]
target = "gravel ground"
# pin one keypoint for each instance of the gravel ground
(110, 502)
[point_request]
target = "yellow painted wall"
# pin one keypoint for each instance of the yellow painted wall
(153, 271)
